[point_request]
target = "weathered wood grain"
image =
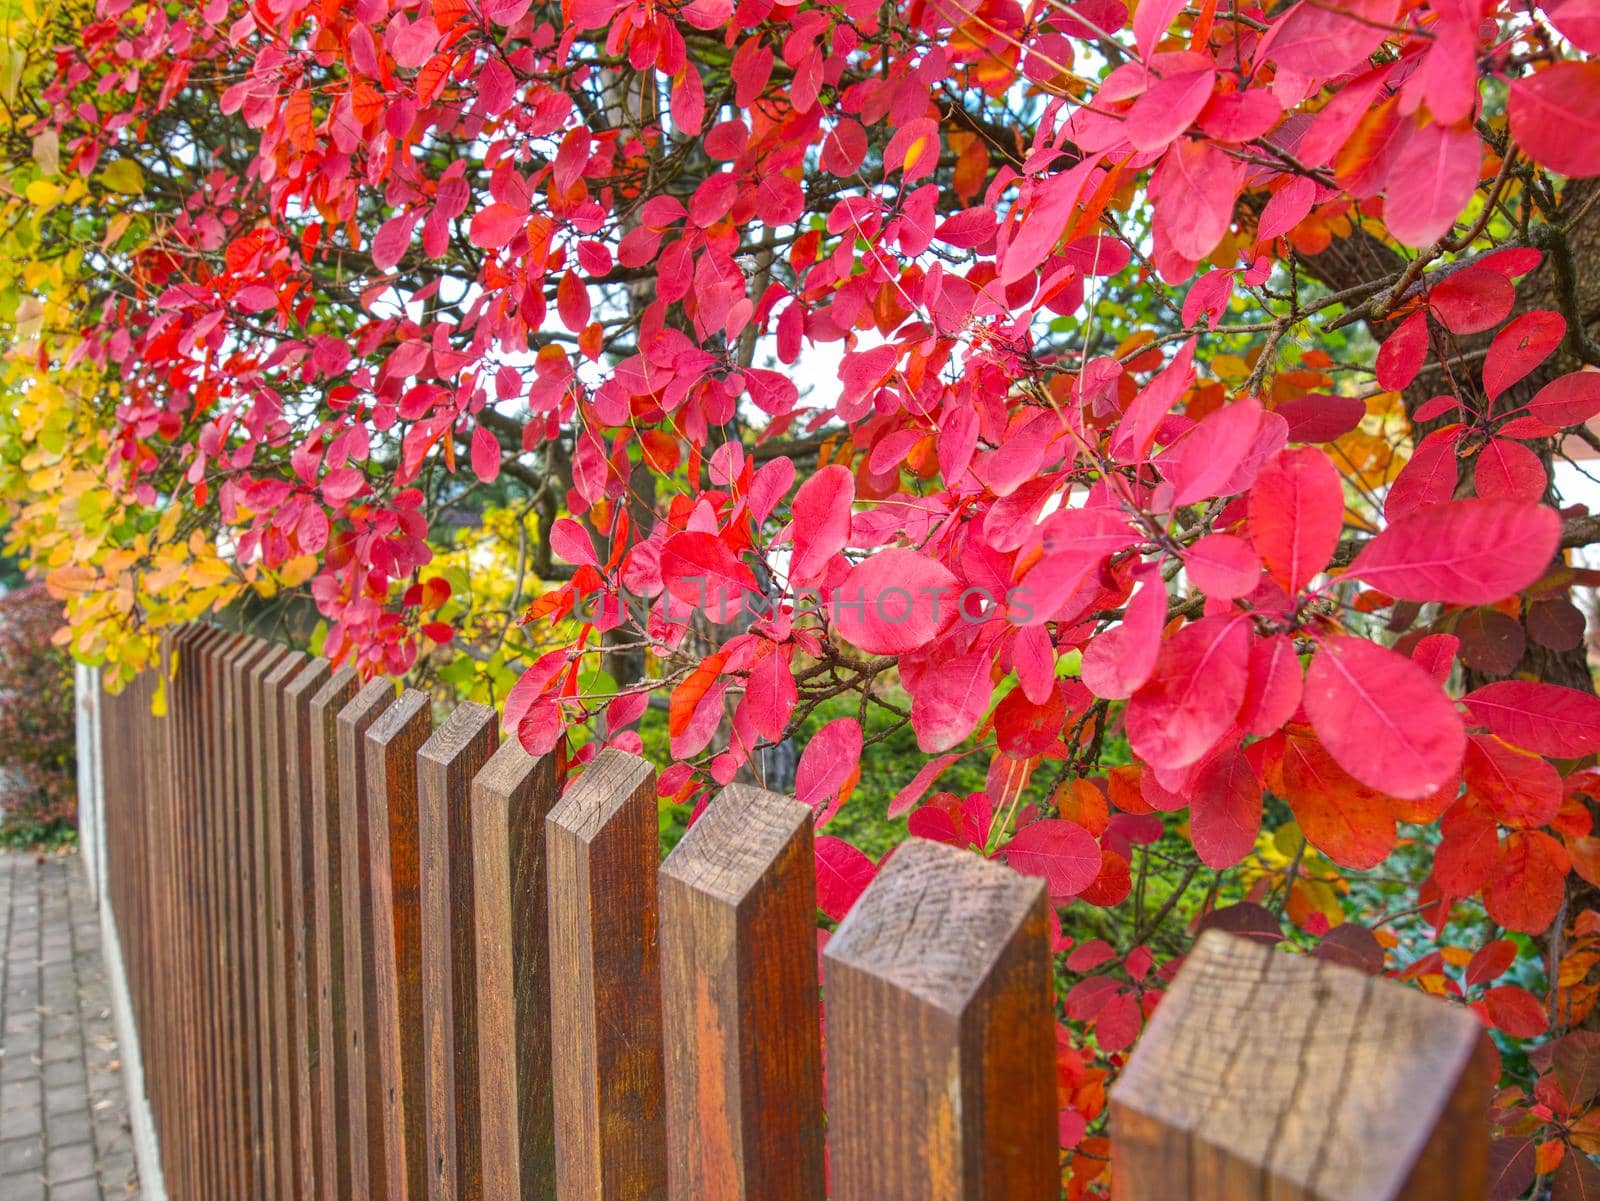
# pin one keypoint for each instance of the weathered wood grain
(605, 984)
(391, 752)
(363, 1069)
(1267, 1074)
(511, 797)
(740, 1004)
(327, 930)
(446, 764)
(941, 1038)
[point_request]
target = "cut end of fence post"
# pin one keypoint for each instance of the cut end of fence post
(941, 1043)
(1266, 1073)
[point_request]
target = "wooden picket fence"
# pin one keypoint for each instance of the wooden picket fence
(369, 958)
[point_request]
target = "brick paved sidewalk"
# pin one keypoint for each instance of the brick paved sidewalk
(63, 1117)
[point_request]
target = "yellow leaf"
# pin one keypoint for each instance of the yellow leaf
(43, 193)
(123, 176)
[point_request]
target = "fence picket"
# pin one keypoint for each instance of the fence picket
(511, 797)
(391, 750)
(605, 984)
(739, 1003)
(446, 764)
(364, 1074)
(941, 1035)
(327, 930)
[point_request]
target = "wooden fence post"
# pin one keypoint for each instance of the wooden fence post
(740, 1004)
(364, 1071)
(237, 868)
(287, 1131)
(941, 1039)
(446, 764)
(252, 782)
(266, 682)
(298, 889)
(327, 925)
(392, 744)
(1265, 1074)
(602, 842)
(511, 797)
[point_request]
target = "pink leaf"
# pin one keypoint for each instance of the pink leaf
(1383, 718)
(1520, 347)
(829, 762)
(1466, 552)
(1295, 515)
(949, 700)
(1431, 178)
(821, 522)
(893, 602)
(1555, 117)
(843, 874)
(485, 455)
(1225, 809)
(770, 695)
(1223, 566)
(1120, 660)
(1207, 456)
(1567, 400)
(1508, 470)
(1428, 478)
(1545, 718)
(1193, 695)
(921, 782)
(1063, 852)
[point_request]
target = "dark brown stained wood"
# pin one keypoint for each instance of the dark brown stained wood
(238, 869)
(363, 1071)
(287, 1131)
(392, 745)
(299, 890)
(446, 764)
(267, 683)
(511, 797)
(605, 984)
(1268, 1074)
(247, 741)
(327, 927)
(941, 1038)
(739, 1002)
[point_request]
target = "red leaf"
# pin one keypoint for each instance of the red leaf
(496, 224)
(1206, 457)
(1118, 662)
(950, 699)
(1191, 698)
(1516, 1011)
(770, 695)
(843, 874)
(1065, 854)
(1520, 347)
(1348, 822)
(1577, 20)
(701, 570)
(821, 522)
(1402, 353)
(1321, 417)
(1222, 566)
(1567, 400)
(893, 602)
(1555, 117)
(1467, 552)
(1428, 478)
(1491, 962)
(1432, 172)
(572, 301)
(571, 542)
(1325, 40)
(1197, 184)
(830, 764)
(1275, 686)
(1472, 300)
(1383, 718)
(485, 455)
(921, 782)
(1544, 718)
(1296, 511)
(1024, 729)
(1519, 788)
(1225, 810)
(1508, 470)
(1528, 884)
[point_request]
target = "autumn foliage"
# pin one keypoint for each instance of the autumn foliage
(1150, 409)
